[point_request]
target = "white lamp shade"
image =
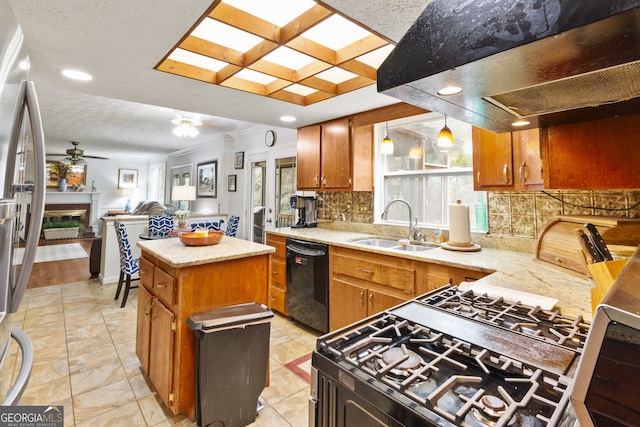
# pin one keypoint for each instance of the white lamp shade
(183, 192)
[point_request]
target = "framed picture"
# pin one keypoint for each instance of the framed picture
(77, 177)
(238, 160)
(127, 178)
(207, 179)
(232, 183)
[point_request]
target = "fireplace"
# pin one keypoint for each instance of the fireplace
(81, 206)
(66, 212)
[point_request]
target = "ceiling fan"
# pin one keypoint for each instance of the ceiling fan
(76, 156)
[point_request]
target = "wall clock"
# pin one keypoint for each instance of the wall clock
(270, 138)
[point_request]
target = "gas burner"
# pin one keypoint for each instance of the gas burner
(492, 409)
(397, 362)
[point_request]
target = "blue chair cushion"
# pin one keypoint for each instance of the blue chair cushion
(160, 225)
(232, 227)
(209, 225)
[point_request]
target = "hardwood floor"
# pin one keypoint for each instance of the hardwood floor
(61, 272)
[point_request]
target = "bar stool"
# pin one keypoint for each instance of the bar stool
(160, 225)
(128, 265)
(209, 225)
(232, 227)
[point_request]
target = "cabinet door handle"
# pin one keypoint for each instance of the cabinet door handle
(523, 172)
(160, 285)
(361, 297)
(505, 173)
(274, 272)
(315, 180)
(323, 180)
(478, 177)
(371, 299)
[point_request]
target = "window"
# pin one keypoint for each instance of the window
(429, 177)
(156, 182)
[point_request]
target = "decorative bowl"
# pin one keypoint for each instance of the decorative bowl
(192, 239)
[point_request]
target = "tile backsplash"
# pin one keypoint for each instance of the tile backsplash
(511, 214)
(527, 213)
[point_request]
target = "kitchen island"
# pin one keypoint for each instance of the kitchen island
(177, 281)
(510, 270)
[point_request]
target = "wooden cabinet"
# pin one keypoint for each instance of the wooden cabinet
(167, 296)
(506, 161)
(278, 274)
(324, 156)
(363, 283)
(439, 275)
(335, 156)
(596, 155)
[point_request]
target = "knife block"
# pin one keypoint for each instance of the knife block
(558, 246)
(603, 275)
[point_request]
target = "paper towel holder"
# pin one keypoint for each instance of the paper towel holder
(462, 221)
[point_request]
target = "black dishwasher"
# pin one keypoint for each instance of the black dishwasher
(308, 283)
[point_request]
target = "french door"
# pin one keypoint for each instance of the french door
(272, 183)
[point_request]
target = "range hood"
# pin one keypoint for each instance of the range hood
(545, 61)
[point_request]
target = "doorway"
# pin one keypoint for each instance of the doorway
(273, 182)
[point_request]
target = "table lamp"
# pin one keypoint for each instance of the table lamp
(183, 193)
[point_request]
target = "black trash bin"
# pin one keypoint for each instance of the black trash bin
(232, 358)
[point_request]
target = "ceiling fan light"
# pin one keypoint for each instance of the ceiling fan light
(186, 127)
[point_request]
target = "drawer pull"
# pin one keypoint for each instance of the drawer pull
(274, 272)
(160, 285)
(143, 271)
(367, 271)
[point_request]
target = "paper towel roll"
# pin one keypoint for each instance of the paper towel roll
(459, 225)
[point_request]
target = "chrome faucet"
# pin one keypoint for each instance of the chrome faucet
(413, 223)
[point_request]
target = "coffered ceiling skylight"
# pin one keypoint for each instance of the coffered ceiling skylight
(293, 50)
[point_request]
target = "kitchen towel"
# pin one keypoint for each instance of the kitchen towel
(459, 225)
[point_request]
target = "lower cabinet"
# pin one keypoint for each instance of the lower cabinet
(278, 274)
(363, 283)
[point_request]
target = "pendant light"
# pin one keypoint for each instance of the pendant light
(445, 137)
(386, 147)
(416, 151)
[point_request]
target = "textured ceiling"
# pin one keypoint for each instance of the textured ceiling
(125, 112)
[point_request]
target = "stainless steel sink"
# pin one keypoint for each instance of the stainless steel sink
(413, 248)
(381, 243)
(393, 244)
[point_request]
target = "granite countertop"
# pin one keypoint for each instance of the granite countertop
(176, 254)
(507, 269)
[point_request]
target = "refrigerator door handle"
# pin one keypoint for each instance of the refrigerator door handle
(15, 393)
(28, 99)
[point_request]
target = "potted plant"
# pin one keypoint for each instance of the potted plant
(62, 171)
(61, 229)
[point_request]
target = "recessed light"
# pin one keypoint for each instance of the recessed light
(520, 123)
(77, 75)
(288, 119)
(449, 90)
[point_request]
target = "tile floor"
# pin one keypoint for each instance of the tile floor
(85, 360)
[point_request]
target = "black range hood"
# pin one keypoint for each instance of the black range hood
(547, 61)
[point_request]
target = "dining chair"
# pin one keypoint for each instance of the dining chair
(128, 265)
(209, 225)
(232, 227)
(160, 225)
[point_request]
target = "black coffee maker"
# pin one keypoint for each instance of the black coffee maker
(305, 211)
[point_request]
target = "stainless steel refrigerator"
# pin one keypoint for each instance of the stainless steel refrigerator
(23, 186)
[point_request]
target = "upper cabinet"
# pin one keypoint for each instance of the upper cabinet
(506, 161)
(335, 156)
(595, 155)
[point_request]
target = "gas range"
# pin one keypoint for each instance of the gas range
(449, 358)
